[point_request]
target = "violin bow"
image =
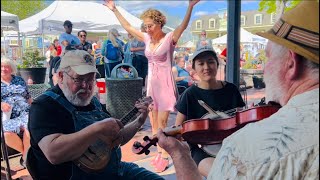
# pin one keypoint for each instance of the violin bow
(208, 108)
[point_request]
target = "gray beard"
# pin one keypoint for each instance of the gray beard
(73, 98)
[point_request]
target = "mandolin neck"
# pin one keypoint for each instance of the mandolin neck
(125, 119)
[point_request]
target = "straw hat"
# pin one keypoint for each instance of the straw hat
(298, 30)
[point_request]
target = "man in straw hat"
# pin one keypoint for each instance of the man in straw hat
(285, 145)
(67, 119)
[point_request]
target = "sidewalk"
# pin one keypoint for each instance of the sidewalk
(253, 96)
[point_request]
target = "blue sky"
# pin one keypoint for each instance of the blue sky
(178, 8)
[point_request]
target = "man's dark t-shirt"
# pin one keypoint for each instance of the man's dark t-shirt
(48, 117)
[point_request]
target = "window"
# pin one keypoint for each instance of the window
(258, 19)
(212, 23)
(243, 20)
(198, 24)
(273, 18)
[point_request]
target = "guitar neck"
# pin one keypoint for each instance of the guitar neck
(126, 119)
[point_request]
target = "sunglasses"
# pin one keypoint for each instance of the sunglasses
(83, 35)
(69, 26)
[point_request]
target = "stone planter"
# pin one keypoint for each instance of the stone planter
(38, 75)
(247, 75)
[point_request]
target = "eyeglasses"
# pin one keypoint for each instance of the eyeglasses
(79, 81)
(83, 35)
(203, 34)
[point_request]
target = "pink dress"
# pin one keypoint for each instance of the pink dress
(161, 85)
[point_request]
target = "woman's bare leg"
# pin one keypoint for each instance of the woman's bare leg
(26, 143)
(162, 123)
(153, 115)
(13, 141)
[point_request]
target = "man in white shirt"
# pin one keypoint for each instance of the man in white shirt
(285, 145)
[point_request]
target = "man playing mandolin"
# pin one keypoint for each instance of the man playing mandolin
(72, 136)
(285, 145)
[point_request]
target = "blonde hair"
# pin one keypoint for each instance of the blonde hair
(7, 61)
(113, 33)
(155, 15)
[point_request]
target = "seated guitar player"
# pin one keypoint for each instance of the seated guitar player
(67, 119)
(219, 95)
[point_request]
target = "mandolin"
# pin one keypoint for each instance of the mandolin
(97, 156)
(207, 131)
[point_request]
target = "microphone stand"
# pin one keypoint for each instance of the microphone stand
(4, 152)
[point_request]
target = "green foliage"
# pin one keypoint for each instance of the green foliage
(254, 63)
(270, 6)
(23, 8)
(32, 59)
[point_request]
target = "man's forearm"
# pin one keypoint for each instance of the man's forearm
(59, 148)
(186, 168)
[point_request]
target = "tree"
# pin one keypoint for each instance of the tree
(277, 6)
(23, 8)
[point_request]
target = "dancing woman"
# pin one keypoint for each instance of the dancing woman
(159, 51)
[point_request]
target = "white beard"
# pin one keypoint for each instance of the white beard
(274, 89)
(73, 98)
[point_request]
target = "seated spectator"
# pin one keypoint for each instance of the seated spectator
(15, 98)
(180, 74)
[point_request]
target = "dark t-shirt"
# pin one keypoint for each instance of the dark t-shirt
(222, 99)
(48, 117)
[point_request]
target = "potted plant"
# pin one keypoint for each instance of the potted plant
(32, 67)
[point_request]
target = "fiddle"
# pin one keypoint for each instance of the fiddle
(208, 131)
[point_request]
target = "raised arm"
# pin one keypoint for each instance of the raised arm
(124, 23)
(179, 30)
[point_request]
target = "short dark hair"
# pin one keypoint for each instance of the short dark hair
(81, 32)
(67, 23)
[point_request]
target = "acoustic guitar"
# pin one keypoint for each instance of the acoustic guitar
(97, 156)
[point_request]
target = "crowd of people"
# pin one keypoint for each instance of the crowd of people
(67, 123)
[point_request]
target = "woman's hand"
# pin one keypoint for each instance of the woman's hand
(193, 2)
(5, 107)
(110, 4)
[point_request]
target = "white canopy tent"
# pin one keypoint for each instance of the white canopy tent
(245, 37)
(9, 23)
(89, 16)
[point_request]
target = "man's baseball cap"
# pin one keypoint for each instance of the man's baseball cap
(67, 23)
(80, 61)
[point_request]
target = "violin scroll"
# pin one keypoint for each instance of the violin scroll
(140, 148)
